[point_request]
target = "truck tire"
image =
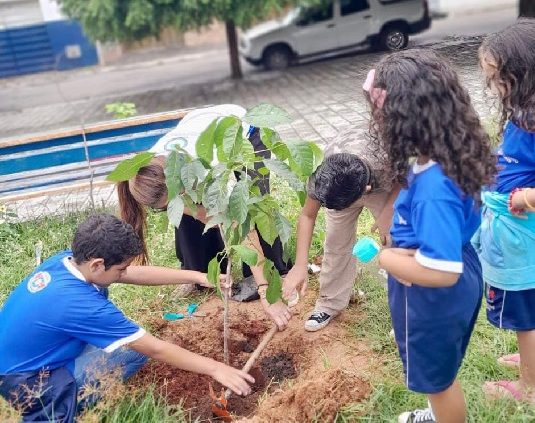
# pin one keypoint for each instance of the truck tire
(277, 57)
(394, 38)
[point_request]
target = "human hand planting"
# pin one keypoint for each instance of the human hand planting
(203, 281)
(278, 312)
(235, 379)
(296, 279)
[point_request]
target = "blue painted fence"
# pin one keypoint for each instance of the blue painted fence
(58, 45)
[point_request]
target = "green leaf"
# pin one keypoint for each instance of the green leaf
(281, 151)
(282, 170)
(284, 227)
(269, 137)
(247, 255)
(175, 210)
(213, 221)
(245, 227)
(238, 201)
(247, 152)
(215, 198)
(213, 275)
(274, 290)
(264, 171)
(189, 203)
(267, 115)
(232, 234)
(302, 196)
(191, 173)
(266, 226)
(301, 157)
(129, 168)
(221, 132)
(205, 143)
(318, 155)
(232, 140)
(173, 165)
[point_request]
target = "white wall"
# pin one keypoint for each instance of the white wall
(51, 10)
(19, 12)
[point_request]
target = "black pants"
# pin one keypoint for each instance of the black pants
(195, 250)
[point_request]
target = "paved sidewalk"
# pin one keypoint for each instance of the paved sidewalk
(322, 96)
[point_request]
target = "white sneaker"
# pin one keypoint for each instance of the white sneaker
(317, 320)
(417, 416)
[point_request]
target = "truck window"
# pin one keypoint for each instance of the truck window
(347, 7)
(319, 13)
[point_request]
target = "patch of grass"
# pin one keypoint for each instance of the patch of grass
(144, 407)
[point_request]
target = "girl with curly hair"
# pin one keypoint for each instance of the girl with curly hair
(422, 118)
(507, 236)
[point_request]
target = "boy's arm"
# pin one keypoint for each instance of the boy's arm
(400, 262)
(298, 275)
(186, 360)
(156, 275)
(384, 220)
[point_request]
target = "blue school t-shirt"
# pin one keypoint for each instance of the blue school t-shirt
(433, 216)
(516, 160)
(53, 314)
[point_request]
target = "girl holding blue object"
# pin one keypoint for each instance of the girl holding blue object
(423, 119)
(506, 240)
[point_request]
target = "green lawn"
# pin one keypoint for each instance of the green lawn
(389, 396)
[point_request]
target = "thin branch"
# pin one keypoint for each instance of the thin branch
(82, 126)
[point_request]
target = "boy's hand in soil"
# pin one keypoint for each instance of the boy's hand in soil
(278, 312)
(296, 279)
(232, 378)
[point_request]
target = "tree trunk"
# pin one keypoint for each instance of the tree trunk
(526, 8)
(232, 42)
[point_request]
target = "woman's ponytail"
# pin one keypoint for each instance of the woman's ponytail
(133, 213)
(146, 189)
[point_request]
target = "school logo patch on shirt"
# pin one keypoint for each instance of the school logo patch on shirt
(38, 282)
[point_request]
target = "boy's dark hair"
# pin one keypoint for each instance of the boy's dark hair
(341, 180)
(428, 112)
(513, 49)
(107, 237)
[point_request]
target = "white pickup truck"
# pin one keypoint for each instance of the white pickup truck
(333, 28)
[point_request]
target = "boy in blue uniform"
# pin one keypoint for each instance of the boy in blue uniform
(52, 316)
(424, 121)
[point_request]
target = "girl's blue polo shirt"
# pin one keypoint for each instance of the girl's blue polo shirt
(516, 160)
(434, 217)
(53, 314)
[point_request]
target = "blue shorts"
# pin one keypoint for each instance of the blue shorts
(433, 326)
(513, 310)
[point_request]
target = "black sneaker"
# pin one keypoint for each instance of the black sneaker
(317, 320)
(417, 416)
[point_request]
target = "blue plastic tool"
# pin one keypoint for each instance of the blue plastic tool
(366, 249)
(173, 316)
(192, 308)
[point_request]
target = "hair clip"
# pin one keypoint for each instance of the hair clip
(377, 95)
